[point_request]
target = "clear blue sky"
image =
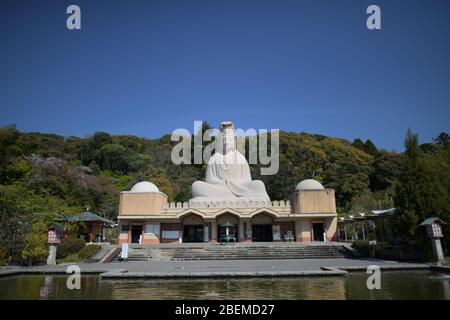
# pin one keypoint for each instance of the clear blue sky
(148, 67)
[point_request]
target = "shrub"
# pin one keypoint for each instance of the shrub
(88, 251)
(3, 260)
(112, 235)
(404, 251)
(364, 248)
(69, 246)
(85, 253)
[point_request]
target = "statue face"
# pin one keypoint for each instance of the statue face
(228, 139)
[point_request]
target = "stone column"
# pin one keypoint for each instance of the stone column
(213, 231)
(437, 248)
(332, 227)
(241, 231)
(302, 230)
(51, 260)
(298, 231)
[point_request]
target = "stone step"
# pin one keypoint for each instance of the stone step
(252, 255)
(264, 251)
(253, 258)
(230, 252)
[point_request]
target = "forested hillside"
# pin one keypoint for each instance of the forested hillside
(49, 174)
(42, 175)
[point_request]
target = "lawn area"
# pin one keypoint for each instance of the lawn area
(85, 253)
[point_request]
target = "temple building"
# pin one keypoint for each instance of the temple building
(227, 207)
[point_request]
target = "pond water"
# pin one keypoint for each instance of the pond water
(394, 285)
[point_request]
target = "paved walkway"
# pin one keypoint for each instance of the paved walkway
(227, 268)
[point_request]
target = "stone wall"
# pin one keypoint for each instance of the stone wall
(141, 203)
(313, 201)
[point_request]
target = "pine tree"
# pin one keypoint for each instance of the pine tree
(419, 194)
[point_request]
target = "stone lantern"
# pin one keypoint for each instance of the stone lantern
(434, 231)
(52, 240)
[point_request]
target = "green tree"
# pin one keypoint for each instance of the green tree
(35, 249)
(15, 217)
(368, 146)
(346, 169)
(419, 193)
(386, 171)
(164, 185)
(89, 147)
(9, 150)
(119, 159)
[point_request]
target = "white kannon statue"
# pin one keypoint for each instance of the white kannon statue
(228, 174)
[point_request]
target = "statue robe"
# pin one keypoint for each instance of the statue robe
(228, 177)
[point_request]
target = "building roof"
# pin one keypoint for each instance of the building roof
(58, 228)
(382, 212)
(431, 221)
(309, 184)
(371, 215)
(144, 186)
(86, 216)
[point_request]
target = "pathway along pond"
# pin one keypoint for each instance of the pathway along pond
(394, 285)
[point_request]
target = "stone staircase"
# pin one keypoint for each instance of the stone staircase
(237, 252)
(261, 253)
(146, 253)
(102, 255)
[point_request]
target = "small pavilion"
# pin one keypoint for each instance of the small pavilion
(95, 230)
(373, 225)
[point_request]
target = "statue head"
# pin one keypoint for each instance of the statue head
(228, 136)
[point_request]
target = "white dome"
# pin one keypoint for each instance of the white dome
(144, 186)
(309, 184)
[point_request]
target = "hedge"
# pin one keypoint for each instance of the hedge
(69, 246)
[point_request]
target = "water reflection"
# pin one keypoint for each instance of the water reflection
(394, 285)
(400, 285)
(268, 288)
(446, 287)
(46, 288)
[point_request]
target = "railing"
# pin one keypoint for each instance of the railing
(229, 204)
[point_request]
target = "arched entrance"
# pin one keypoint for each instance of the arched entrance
(318, 230)
(262, 228)
(193, 228)
(227, 227)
